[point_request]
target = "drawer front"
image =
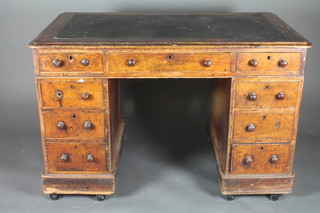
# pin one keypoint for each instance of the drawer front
(266, 95)
(263, 126)
(76, 157)
(268, 62)
(61, 62)
(77, 124)
(261, 158)
(157, 62)
(71, 94)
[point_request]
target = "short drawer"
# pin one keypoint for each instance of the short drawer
(260, 158)
(61, 62)
(76, 157)
(71, 93)
(169, 62)
(75, 124)
(268, 62)
(258, 95)
(263, 126)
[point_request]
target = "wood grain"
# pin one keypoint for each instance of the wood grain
(268, 61)
(93, 184)
(261, 154)
(173, 54)
(268, 125)
(74, 121)
(168, 62)
(77, 158)
(70, 62)
(71, 90)
(266, 95)
(256, 185)
(219, 120)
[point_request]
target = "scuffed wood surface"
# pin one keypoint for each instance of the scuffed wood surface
(77, 158)
(74, 121)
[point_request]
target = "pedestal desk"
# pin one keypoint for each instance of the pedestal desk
(256, 63)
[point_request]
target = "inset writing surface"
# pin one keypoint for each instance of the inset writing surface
(215, 28)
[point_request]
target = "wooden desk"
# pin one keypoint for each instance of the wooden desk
(255, 61)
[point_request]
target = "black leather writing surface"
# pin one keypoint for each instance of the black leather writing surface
(221, 28)
(231, 27)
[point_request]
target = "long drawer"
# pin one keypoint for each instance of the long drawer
(169, 62)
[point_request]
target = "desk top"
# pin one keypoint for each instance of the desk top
(247, 29)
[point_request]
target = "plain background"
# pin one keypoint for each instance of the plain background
(167, 164)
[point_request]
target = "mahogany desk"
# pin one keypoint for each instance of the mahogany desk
(255, 60)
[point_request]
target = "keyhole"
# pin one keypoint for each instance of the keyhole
(71, 86)
(169, 57)
(277, 125)
(71, 58)
(59, 95)
(264, 117)
(261, 148)
(267, 87)
(269, 57)
(74, 116)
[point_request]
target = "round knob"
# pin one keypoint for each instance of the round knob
(253, 62)
(87, 125)
(280, 96)
(64, 157)
(250, 128)
(85, 62)
(252, 96)
(248, 160)
(59, 95)
(274, 159)
(61, 125)
(85, 96)
(207, 63)
(282, 63)
(132, 62)
(57, 62)
(90, 157)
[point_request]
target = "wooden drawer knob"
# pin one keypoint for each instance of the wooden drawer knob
(274, 159)
(250, 128)
(207, 63)
(85, 62)
(252, 96)
(61, 125)
(90, 158)
(87, 125)
(280, 96)
(64, 157)
(282, 63)
(253, 62)
(132, 62)
(248, 160)
(85, 96)
(57, 62)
